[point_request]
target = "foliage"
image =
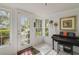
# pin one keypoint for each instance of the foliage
(4, 32)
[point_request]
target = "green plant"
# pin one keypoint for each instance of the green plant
(4, 32)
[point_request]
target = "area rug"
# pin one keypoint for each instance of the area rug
(28, 51)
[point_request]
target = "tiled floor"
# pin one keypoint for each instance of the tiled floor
(45, 49)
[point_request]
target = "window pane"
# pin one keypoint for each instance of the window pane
(25, 29)
(46, 31)
(46, 23)
(38, 33)
(46, 27)
(4, 27)
(38, 27)
(5, 40)
(38, 23)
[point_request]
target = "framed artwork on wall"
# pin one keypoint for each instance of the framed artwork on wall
(68, 23)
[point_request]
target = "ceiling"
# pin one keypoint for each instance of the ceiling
(42, 10)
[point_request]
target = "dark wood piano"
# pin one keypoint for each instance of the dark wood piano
(65, 40)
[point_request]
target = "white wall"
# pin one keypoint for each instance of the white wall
(56, 18)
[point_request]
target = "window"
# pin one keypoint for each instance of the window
(38, 27)
(25, 29)
(46, 27)
(4, 27)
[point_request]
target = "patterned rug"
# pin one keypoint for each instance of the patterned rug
(28, 51)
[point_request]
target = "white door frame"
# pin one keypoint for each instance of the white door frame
(20, 13)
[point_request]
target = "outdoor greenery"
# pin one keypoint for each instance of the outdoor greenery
(4, 28)
(46, 31)
(38, 27)
(4, 32)
(4, 36)
(25, 30)
(46, 27)
(25, 26)
(38, 33)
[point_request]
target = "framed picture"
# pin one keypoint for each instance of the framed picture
(68, 23)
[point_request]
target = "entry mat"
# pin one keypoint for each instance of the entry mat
(28, 51)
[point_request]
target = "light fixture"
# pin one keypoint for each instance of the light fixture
(51, 21)
(45, 4)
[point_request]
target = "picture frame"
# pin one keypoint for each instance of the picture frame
(68, 23)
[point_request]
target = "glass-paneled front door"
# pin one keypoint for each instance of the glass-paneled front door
(23, 31)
